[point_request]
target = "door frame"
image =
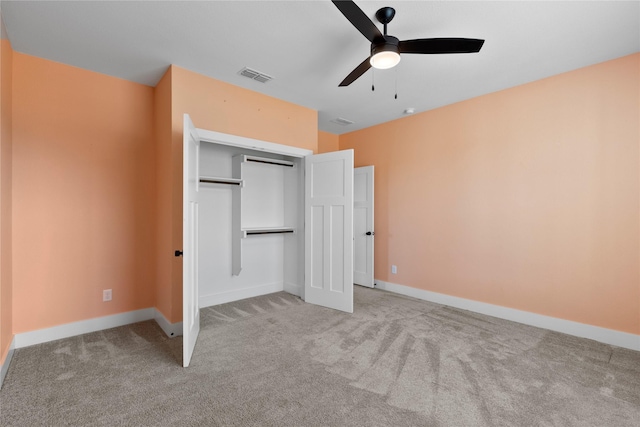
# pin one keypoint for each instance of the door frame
(251, 144)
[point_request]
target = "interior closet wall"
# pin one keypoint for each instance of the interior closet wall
(268, 198)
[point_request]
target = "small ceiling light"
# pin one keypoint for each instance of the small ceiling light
(384, 60)
(386, 54)
(410, 110)
(342, 121)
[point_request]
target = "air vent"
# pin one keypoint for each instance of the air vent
(341, 121)
(255, 75)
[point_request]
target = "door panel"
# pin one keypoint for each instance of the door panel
(329, 230)
(316, 224)
(359, 245)
(337, 252)
(363, 224)
(191, 182)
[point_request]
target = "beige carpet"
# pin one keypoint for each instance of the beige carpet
(276, 361)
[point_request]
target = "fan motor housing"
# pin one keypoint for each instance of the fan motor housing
(389, 44)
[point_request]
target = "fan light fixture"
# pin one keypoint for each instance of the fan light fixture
(384, 60)
(385, 53)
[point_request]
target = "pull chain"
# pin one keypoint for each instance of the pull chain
(396, 96)
(373, 73)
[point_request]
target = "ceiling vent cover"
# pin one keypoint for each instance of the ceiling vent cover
(341, 121)
(255, 75)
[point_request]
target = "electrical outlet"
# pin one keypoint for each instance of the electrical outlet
(394, 269)
(106, 295)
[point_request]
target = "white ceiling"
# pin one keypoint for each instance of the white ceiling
(309, 46)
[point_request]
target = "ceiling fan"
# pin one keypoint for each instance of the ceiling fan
(386, 49)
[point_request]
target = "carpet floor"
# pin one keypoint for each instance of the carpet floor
(277, 361)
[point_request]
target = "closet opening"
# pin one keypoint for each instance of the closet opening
(250, 218)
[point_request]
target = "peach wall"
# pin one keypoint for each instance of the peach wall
(328, 142)
(527, 198)
(222, 107)
(83, 194)
(164, 252)
(6, 323)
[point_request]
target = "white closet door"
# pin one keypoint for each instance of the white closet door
(191, 182)
(363, 226)
(329, 230)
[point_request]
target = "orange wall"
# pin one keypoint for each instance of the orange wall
(83, 194)
(525, 198)
(164, 246)
(221, 107)
(6, 323)
(328, 142)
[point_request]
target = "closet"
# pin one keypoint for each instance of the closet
(251, 224)
(259, 218)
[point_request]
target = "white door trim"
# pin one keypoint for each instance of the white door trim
(251, 144)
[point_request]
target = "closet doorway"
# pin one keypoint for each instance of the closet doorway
(363, 226)
(306, 243)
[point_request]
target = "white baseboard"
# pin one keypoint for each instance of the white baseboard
(235, 295)
(171, 329)
(596, 333)
(293, 289)
(4, 368)
(39, 336)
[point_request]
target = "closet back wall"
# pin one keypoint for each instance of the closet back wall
(83, 194)
(268, 198)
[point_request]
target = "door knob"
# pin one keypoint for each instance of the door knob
(178, 253)
(370, 233)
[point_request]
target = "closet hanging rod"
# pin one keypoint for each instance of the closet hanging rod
(268, 232)
(221, 181)
(269, 161)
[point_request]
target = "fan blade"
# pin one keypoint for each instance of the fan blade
(442, 45)
(357, 72)
(357, 17)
